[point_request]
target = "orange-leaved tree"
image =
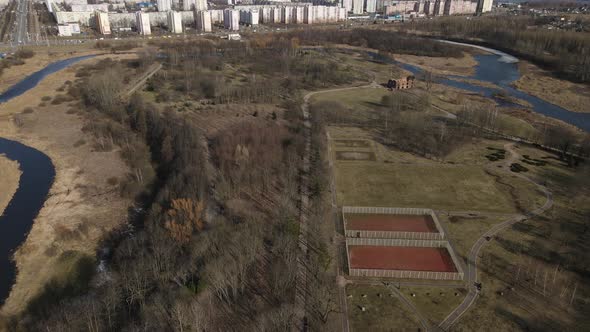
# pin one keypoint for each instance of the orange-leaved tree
(184, 218)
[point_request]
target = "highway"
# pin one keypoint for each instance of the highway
(20, 25)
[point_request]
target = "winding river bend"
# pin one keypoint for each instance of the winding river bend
(501, 70)
(36, 179)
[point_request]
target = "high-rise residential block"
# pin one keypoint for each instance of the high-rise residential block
(358, 6)
(164, 5)
(102, 23)
(231, 19)
(371, 6)
(484, 6)
(142, 21)
(203, 20)
(174, 22)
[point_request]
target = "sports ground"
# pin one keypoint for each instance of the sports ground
(400, 258)
(391, 223)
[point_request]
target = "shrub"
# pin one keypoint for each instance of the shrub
(79, 143)
(112, 181)
(24, 54)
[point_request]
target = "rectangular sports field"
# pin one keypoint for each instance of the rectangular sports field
(390, 222)
(400, 258)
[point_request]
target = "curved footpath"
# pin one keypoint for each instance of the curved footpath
(471, 271)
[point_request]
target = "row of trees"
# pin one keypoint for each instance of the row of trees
(381, 40)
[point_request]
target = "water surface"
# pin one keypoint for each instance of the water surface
(492, 69)
(16, 221)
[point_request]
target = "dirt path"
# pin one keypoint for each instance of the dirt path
(471, 272)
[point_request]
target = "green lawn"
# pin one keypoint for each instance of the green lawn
(360, 99)
(428, 185)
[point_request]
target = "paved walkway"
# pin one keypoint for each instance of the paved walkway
(472, 258)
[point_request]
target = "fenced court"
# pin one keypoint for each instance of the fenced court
(398, 243)
(391, 223)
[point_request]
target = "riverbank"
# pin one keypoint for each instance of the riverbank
(42, 58)
(9, 178)
(84, 201)
(464, 66)
(535, 81)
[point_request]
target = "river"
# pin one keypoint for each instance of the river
(500, 70)
(35, 181)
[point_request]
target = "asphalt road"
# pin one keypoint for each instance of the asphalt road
(20, 27)
(471, 273)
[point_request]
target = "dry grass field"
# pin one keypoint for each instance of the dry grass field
(464, 66)
(400, 179)
(83, 203)
(435, 303)
(537, 82)
(383, 311)
(9, 178)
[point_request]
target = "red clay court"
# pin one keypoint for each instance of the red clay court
(400, 258)
(391, 223)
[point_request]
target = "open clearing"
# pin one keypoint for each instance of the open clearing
(462, 187)
(383, 311)
(539, 83)
(9, 178)
(464, 66)
(434, 302)
(473, 190)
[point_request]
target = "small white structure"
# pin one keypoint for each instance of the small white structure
(143, 23)
(174, 22)
(64, 30)
(234, 36)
